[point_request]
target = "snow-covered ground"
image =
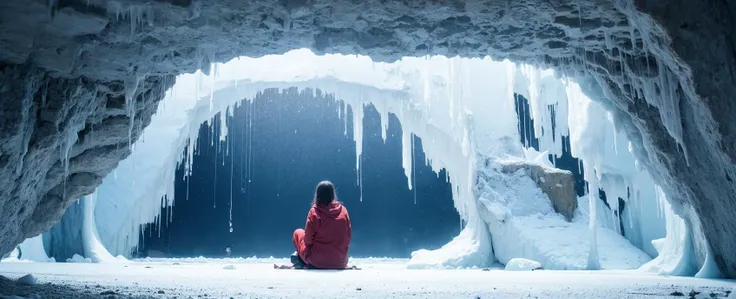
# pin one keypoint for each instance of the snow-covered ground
(379, 278)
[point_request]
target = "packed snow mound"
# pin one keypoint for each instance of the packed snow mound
(523, 224)
(78, 259)
(469, 249)
(520, 264)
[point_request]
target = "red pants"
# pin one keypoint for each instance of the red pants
(299, 245)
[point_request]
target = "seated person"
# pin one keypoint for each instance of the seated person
(324, 241)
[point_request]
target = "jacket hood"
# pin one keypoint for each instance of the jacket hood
(333, 209)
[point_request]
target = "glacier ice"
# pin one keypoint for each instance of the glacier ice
(521, 264)
(460, 108)
(93, 248)
(31, 250)
(676, 256)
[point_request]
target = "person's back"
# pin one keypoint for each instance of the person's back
(325, 241)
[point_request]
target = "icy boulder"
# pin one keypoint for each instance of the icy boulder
(524, 224)
(520, 264)
(557, 184)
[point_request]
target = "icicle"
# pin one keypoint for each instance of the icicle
(358, 133)
(131, 86)
(406, 154)
(158, 223)
(242, 147)
(171, 212)
(70, 137)
(212, 133)
(231, 192)
(250, 143)
(188, 165)
(223, 124)
(414, 167)
(593, 263)
(384, 124)
(615, 138)
(149, 15)
(344, 108)
(287, 22)
(338, 110)
(634, 204)
(360, 178)
(135, 13)
(580, 166)
(214, 186)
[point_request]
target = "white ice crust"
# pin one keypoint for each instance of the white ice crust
(521, 264)
(463, 110)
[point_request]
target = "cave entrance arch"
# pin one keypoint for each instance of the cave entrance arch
(451, 145)
(278, 145)
(576, 38)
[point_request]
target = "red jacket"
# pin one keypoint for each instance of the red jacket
(327, 236)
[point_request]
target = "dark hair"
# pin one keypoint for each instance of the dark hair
(325, 193)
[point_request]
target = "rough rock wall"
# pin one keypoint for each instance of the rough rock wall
(59, 138)
(688, 62)
(704, 38)
(698, 172)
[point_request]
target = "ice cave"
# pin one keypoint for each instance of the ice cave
(485, 149)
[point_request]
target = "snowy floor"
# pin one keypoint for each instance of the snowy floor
(384, 278)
